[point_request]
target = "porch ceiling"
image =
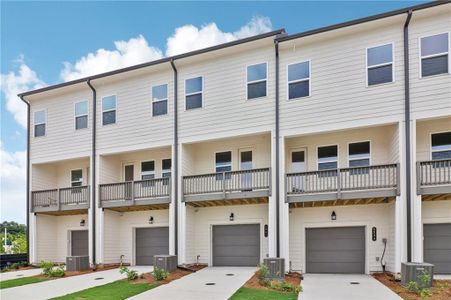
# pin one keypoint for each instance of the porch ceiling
(343, 202)
(226, 202)
(436, 197)
(64, 212)
(140, 207)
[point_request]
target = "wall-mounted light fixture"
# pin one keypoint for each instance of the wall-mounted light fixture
(151, 220)
(231, 217)
(82, 222)
(333, 216)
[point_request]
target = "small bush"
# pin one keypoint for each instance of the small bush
(56, 271)
(421, 288)
(262, 271)
(131, 274)
(160, 274)
(46, 267)
(284, 286)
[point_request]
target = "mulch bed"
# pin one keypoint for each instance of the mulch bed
(193, 267)
(254, 283)
(148, 278)
(70, 274)
(441, 289)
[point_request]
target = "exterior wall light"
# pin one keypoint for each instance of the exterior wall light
(151, 220)
(231, 217)
(333, 216)
(82, 222)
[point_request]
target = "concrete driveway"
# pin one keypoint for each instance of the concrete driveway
(213, 283)
(344, 287)
(64, 286)
(20, 274)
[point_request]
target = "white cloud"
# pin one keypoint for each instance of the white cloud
(14, 83)
(13, 185)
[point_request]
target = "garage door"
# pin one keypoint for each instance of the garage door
(335, 250)
(79, 243)
(150, 242)
(236, 245)
(437, 247)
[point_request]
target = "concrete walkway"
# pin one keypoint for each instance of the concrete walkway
(64, 286)
(198, 286)
(339, 287)
(19, 274)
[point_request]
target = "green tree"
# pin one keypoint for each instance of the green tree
(19, 243)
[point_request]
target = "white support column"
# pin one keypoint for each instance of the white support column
(33, 241)
(172, 223)
(181, 226)
(284, 213)
(272, 228)
(417, 221)
(100, 222)
(400, 241)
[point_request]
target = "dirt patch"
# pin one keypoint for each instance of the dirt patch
(193, 267)
(441, 289)
(148, 278)
(18, 269)
(254, 283)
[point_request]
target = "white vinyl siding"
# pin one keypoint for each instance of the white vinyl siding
(160, 100)
(109, 110)
(379, 62)
(257, 85)
(299, 84)
(194, 92)
(434, 52)
(40, 121)
(81, 115)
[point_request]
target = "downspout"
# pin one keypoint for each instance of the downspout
(93, 173)
(176, 147)
(28, 176)
(407, 133)
(277, 171)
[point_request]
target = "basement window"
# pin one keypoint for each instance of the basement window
(81, 115)
(40, 121)
(109, 110)
(160, 100)
(256, 81)
(434, 54)
(441, 145)
(379, 64)
(328, 158)
(76, 178)
(299, 80)
(193, 92)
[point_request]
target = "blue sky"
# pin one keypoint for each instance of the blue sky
(43, 35)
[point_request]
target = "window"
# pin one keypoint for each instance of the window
(256, 81)
(39, 123)
(147, 170)
(76, 178)
(109, 110)
(359, 154)
(379, 62)
(327, 157)
(299, 80)
(160, 100)
(166, 168)
(434, 51)
(193, 92)
(81, 115)
(298, 161)
(441, 145)
(223, 164)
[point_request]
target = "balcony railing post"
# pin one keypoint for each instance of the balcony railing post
(58, 200)
(419, 177)
(398, 183)
(338, 183)
(133, 192)
(223, 185)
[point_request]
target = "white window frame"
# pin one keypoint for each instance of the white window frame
(45, 123)
(337, 160)
(164, 171)
(257, 81)
(72, 181)
(300, 80)
(190, 94)
(231, 159)
(115, 109)
(144, 173)
(392, 63)
(160, 100)
(369, 154)
(420, 57)
(76, 116)
(430, 143)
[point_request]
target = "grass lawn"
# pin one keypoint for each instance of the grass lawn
(20, 281)
(117, 290)
(254, 294)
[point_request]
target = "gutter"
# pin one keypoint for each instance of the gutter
(407, 133)
(28, 176)
(93, 175)
(276, 48)
(176, 147)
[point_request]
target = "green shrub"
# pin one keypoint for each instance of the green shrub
(422, 287)
(283, 286)
(57, 271)
(46, 267)
(131, 274)
(160, 274)
(262, 271)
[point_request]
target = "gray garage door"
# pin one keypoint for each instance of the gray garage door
(150, 242)
(335, 250)
(236, 245)
(437, 247)
(79, 243)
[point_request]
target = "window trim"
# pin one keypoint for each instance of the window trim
(430, 142)
(189, 94)
(75, 114)
(300, 80)
(420, 57)
(381, 65)
(257, 81)
(34, 123)
(82, 179)
(231, 159)
(149, 172)
(360, 141)
(328, 145)
(102, 111)
(159, 100)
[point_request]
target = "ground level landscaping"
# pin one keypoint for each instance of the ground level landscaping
(22, 281)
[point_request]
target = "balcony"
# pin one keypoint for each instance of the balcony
(356, 185)
(434, 178)
(228, 188)
(133, 195)
(57, 201)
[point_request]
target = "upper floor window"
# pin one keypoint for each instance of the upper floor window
(223, 161)
(76, 178)
(166, 167)
(327, 157)
(109, 110)
(147, 170)
(40, 120)
(193, 92)
(81, 115)
(160, 100)
(379, 64)
(441, 145)
(299, 80)
(256, 81)
(434, 52)
(359, 154)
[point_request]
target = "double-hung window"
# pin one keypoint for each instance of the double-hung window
(160, 100)
(379, 64)
(40, 121)
(359, 156)
(81, 115)
(257, 76)
(147, 170)
(299, 80)
(223, 163)
(193, 92)
(109, 110)
(328, 158)
(166, 168)
(76, 178)
(434, 54)
(441, 145)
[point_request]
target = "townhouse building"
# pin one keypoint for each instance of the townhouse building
(329, 148)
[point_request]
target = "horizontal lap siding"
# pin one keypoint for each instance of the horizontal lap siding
(436, 212)
(424, 131)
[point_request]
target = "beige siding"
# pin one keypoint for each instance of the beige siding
(436, 212)
(58, 175)
(424, 131)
